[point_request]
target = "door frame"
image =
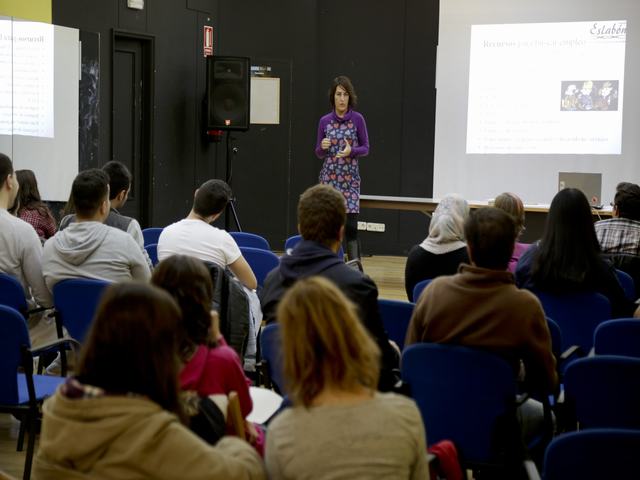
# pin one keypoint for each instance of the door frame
(148, 42)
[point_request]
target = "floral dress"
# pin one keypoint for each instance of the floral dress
(343, 173)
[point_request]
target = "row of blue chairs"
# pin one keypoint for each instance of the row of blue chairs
(243, 239)
(469, 396)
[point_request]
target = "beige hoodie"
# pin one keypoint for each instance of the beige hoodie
(132, 438)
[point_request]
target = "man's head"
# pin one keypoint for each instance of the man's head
(322, 212)
(119, 182)
(8, 182)
(626, 203)
(491, 235)
(90, 195)
(211, 198)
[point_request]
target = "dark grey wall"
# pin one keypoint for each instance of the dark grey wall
(388, 48)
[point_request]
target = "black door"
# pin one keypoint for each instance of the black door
(132, 118)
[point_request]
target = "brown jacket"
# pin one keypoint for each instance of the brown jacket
(484, 309)
(134, 438)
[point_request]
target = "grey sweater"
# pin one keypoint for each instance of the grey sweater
(380, 438)
(93, 250)
(21, 257)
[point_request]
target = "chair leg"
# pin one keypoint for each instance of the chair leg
(20, 444)
(33, 423)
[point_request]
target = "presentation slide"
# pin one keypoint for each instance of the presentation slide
(39, 85)
(527, 90)
(546, 88)
(26, 63)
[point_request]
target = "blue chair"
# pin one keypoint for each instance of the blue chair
(419, 288)
(605, 390)
(627, 284)
(151, 235)
(261, 262)
(22, 393)
(593, 455)
(76, 301)
(618, 337)
(271, 351)
(577, 314)
(292, 241)
(467, 396)
(152, 251)
(396, 316)
(244, 239)
(12, 294)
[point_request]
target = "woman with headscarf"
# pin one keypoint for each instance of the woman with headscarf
(444, 249)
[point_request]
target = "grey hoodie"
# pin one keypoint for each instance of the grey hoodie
(92, 250)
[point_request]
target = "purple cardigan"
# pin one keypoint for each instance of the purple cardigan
(359, 150)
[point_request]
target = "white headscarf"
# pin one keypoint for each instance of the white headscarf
(446, 230)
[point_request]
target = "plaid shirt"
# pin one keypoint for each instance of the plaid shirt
(619, 235)
(44, 225)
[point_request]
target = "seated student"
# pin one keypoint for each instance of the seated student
(196, 237)
(322, 213)
(481, 306)
(21, 255)
(444, 249)
(32, 209)
(119, 187)
(120, 416)
(210, 366)
(621, 234)
(87, 248)
(339, 426)
(567, 258)
(511, 203)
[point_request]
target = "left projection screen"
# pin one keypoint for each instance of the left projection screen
(39, 79)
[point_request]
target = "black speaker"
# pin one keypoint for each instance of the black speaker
(228, 93)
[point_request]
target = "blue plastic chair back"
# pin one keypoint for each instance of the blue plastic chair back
(76, 301)
(271, 349)
(618, 337)
(151, 235)
(261, 262)
(556, 337)
(605, 390)
(577, 315)
(244, 239)
(152, 251)
(593, 455)
(294, 240)
(463, 395)
(13, 334)
(627, 284)
(12, 293)
(396, 316)
(419, 288)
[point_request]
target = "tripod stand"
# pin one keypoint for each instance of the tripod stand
(231, 206)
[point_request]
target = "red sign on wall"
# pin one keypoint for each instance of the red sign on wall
(208, 40)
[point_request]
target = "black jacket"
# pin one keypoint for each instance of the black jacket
(310, 258)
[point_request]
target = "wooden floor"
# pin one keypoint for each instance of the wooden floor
(387, 272)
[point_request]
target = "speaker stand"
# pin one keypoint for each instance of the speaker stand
(231, 206)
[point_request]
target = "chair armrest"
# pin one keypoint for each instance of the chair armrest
(571, 351)
(531, 470)
(47, 347)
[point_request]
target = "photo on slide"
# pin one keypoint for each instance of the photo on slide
(589, 95)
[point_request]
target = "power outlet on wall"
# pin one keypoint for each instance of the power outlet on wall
(362, 226)
(375, 227)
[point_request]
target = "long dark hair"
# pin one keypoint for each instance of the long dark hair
(188, 281)
(132, 346)
(569, 249)
(29, 194)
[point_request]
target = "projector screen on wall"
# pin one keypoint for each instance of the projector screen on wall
(526, 90)
(39, 80)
